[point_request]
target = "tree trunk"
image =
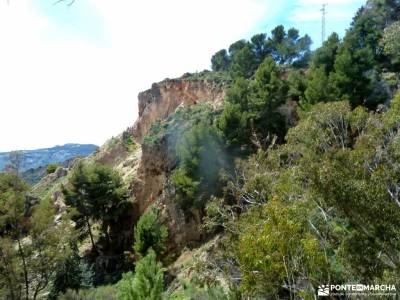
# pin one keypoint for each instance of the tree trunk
(21, 253)
(106, 227)
(90, 233)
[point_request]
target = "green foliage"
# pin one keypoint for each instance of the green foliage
(251, 107)
(395, 103)
(351, 70)
(237, 46)
(220, 61)
(277, 247)
(128, 140)
(217, 77)
(244, 57)
(201, 157)
(319, 82)
(326, 54)
(146, 284)
(320, 208)
(349, 81)
(260, 46)
(51, 168)
(391, 41)
(195, 290)
(361, 55)
(367, 28)
(178, 123)
(297, 85)
(12, 216)
(288, 47)
(268, 87)
(97, 193)
(12, 200)
(31, 246)
(186, 189)
(150, 234)
(98, 293)
(234, 120)
(243, 63)
(156, 131)
(318, 89)
(72, 273)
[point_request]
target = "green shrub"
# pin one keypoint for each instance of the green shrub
(157, 129)
(73, 273)
(201, 157)
(195, 290)
(149, 234)
(51, 168)
(99, 293)
(178, 123)
(128, 140)
(186, 189)
(146, 284)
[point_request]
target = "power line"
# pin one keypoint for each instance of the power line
(323, 10)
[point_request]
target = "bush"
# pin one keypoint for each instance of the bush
(186, 189)
(196, 290)
(51, 168)
(100, 293)
(128, 140)
(149, 234)
(73, 273)
(146, 284)
(201, 158)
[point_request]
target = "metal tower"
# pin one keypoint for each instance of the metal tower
(323, 10)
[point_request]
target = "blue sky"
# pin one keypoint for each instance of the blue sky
(306, 16)
(72, 73)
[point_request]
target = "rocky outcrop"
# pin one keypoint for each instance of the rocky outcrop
(155, 164)
(165, 97)
(155, 104)
(158, 159)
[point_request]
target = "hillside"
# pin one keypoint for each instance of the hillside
(274, 176)
(33, 159)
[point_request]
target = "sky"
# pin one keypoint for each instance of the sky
(71, 73)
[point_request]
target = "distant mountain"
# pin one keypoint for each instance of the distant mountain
(33, 176)
(34, 159)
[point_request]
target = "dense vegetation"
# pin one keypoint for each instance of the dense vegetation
(322, 207)
(297, 174)
(31, 246)
(96, 193)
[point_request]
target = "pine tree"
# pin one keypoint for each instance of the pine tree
(149, 234)
(147, 283)
(97, 193)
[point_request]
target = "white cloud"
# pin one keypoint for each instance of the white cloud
(62, 88)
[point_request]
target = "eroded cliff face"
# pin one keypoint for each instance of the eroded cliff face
(157, 103)
(165, 97)
(158, 159)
